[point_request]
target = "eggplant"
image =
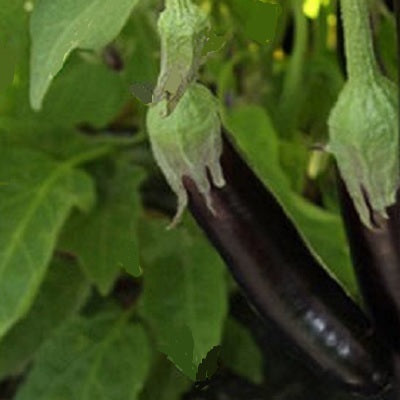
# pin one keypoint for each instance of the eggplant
(376, 258)
(282, 280)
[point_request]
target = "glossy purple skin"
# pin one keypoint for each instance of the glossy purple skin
(376, 257)
(282, 280)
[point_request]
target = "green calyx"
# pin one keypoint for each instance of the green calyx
(363, 125)
(188, 143)
(364, 140)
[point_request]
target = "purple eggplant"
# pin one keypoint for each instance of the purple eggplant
(376, 258)
(283, 281)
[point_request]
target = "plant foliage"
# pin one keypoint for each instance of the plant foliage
(97, 298)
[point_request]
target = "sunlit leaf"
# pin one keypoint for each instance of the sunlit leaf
(60, 26)
(36, 196)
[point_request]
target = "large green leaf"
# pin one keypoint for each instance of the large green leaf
(84, 92)
(36, 196)
(62, 293)
(184, 293)
(100, 358)
(106, 239)
(60, 26)
(321, 230)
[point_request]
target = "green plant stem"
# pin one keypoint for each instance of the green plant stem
(293, 78)
(320, 31)
(360, 58)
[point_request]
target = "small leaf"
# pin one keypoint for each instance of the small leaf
(36, 196)
(104, 358)
(61, 294)
(60, 26)
(184, 293)
(106, 239)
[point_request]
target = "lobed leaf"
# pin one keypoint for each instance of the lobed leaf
(36, 196)
(105, 240)
(184, 294)
(84, 92)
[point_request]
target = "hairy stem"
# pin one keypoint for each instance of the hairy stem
(179, 5)
(360, 58)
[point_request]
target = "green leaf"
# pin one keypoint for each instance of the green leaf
(7, 67)
(165, 382)
(293, 158)
(36, 196)
(258, 19)
(62, 293)
(184, 293)
(322, 231)
(104, 358)
(323, 81)
(141, 43)
(14, 35)
(12, 20)
(84, 92)
(240, 353)
(386, 42)
(60, 26)
(106, 239)
(60, 142)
